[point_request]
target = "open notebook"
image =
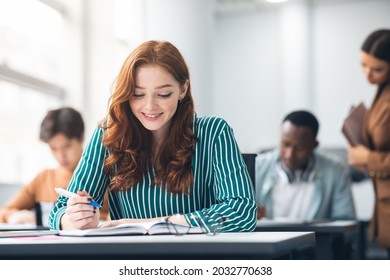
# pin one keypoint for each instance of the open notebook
(134, 229)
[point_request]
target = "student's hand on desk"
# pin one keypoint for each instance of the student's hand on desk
(22, 217)
(80, 215)
(261, 212)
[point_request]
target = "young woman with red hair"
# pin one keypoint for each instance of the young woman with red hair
(158, 159)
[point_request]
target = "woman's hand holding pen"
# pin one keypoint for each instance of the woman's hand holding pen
(261, 212)
(22, 217)
(79, 213)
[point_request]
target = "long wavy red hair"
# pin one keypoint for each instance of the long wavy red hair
(130, 144)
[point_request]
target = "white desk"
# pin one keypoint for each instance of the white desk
(252, 245)
(330, 236)
(325, 227)
(11, 227)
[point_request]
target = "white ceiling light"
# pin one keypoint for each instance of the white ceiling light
(276, 1)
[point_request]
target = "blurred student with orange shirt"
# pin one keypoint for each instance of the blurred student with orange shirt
(63, 130)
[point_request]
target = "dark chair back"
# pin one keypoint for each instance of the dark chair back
(250, 161)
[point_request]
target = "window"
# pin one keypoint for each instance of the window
(31, 65)
(48, 57)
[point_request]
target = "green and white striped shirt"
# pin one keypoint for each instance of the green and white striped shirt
(221, 186)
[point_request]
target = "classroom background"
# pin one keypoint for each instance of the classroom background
(251, 63)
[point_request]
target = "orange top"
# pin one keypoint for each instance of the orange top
(41, 189)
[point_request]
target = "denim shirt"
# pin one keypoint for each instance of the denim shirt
(332, 197)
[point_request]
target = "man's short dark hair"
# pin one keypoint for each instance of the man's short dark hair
(64, 120)
(303, 118)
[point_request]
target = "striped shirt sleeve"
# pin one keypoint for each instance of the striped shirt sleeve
(234, 202)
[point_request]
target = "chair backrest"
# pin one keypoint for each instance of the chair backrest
(250, 161)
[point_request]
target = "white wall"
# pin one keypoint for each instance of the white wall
(103, 58)
(261, 71)
(250, 67)
(187, 24)
(245, 75)
(340, 30)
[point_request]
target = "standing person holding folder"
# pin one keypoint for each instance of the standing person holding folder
(158, 159)
(375, 157)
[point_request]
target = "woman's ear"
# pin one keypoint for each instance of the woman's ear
(184, 89)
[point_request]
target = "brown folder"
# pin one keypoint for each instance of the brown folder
(353, 124)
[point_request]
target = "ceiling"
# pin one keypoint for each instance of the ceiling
(224, 6)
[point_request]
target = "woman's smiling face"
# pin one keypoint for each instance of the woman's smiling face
(156, 97)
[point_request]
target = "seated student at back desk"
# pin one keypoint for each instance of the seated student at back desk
(63, 130)
(298, 183)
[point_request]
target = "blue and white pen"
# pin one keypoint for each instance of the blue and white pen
(71, 194)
